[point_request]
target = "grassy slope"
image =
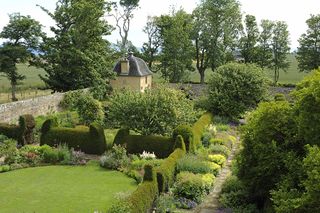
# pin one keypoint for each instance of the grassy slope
(61, 189)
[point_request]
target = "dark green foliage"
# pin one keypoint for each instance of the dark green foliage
(23, 132)
(77, 56)
(200, 126)
(269, 134)
(166, 171)
(136, 144)
(179, 143)
(89, 140)
(186, 132)
(235, 88)
(148, 173)
(50, 156)
(116, 158)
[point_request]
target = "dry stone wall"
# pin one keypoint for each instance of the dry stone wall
(10, 112)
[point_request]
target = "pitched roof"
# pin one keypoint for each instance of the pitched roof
(137, 67)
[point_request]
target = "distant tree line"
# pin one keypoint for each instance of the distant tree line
(78, 55)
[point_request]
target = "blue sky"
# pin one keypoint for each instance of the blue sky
(294, 12)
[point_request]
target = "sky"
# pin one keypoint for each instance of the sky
(294, 12)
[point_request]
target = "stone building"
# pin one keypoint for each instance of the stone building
(132, 73)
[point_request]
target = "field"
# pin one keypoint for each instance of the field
(62, 189)
(28, 88)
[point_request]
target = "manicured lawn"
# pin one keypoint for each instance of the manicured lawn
(61, 189)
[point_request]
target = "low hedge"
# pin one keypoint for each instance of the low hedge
(23, 132)
(167, 170)
(90, 140)
(187, 134)
(141, 200)
(200, 126)
(136, 144)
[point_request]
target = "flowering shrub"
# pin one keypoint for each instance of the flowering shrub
(116, 158)
(147, 155)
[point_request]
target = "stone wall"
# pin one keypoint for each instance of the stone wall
(10, 112)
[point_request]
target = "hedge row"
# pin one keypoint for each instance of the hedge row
(167, 170)
(136, 144)
(200, 126)
(90, 140)
(23, 132)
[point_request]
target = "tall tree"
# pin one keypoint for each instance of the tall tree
(264, 53)
(280, 49)
(151, 47)
(249, 40)
(23, 36)
(177, 49)
(223, 18)
(201, 37)
(77, 56)
(123, 14)
(308, 53)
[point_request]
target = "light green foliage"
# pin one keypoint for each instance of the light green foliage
(165, 203)
(22, 34)
(77, 56)
(309, 46)
(235, 88)
(197, 165)
(89, 109)
(219, 149)
(218, 159)
(157, 111)
(190, 186)
(307, 97)
(176, 45)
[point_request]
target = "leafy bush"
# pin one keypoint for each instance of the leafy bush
(208, 181)
(116, 158)
(190, 186)
(165, 203)
(184, 203)
(194, 164)
(64, 154)
(235, 88)
(157, 111)
(279, 97)
(4, 168)
(89, 109)
(218, 159)
(199, 128)
(77, 157)
(219, 149)
(50, 155)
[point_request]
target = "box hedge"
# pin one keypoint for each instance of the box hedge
(187, 134)
(90, 140)
(23, 132)
(136, 144)
(200, 126)
(167, 170)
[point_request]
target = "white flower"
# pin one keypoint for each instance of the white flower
(147, 155)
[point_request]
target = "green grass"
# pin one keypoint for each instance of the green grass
(61, 189)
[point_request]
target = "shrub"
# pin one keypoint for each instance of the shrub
(4, 168)
(179, 143)
(208, 181)
(162, 147)
(218, 159)
(219, 149)
(165, 203)
(64, 154)
(50, 155)
(155, 112)
(115, 158)
(89, 140)
(190, 186)
(279, 97)
(77, 157)
(166, 171)
(184, 203)
(235, 88)
(194, 164)
(199, 128)
(148, 173)
(186, 132)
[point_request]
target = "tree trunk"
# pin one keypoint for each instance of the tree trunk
(201, 76)
(13, 92)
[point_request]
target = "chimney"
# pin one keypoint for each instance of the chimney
(124, 66)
